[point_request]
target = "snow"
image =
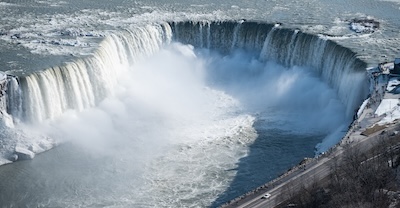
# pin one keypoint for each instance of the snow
(386, 106)
(3, 76)
(386, 88)
(364, 25)
(20, 144)
(389, 108)
(362, 107)
(386, 67)
(392, 84)
(6, 120)
(24, 154)
(360, 28)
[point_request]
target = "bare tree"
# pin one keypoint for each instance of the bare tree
(357, 179)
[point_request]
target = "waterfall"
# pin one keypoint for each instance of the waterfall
(85, 82)
(3, 88)
(335, 64)
(15, 97)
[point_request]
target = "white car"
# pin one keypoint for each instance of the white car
(266, 196)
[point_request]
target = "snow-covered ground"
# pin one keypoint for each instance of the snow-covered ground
(390, 105)
(383, 106)
(389, 108)
(17, 144)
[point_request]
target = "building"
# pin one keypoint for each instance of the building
(397, 64)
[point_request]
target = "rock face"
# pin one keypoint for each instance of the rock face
(3, 88)
(5, 118)
(13, 157)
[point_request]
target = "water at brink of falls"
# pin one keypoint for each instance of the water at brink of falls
(179, 103)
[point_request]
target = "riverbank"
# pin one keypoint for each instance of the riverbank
(16, 144)
(374, 117)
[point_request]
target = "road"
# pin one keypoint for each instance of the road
(319, 168)
(314, 171)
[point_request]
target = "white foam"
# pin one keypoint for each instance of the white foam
(7, 4)
(165, 119)
(180, 132)
(294, 100)
(331, 140)
(395, 1)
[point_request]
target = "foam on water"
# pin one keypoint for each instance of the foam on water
(180, 120)
(163, 122)
(165, 130)
(291, 99)
(182, 117)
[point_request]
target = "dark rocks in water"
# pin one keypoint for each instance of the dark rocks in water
(13, 157)
(364, 25)
(16, 36)
(305, 161)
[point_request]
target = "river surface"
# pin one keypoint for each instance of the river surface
(186, 127)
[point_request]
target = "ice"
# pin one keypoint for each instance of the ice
(3, 76)
(24, 154)
(364, 26)
(6, 120)
(19, 142)
(362, 107)
(56, 33)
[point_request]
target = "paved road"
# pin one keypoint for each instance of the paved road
(295, 182)
(314, 171)
(319, 168)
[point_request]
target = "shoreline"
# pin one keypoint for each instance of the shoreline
(364, 126)
(17, 145)
(364, 122)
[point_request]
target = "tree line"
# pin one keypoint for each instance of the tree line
(358, 179)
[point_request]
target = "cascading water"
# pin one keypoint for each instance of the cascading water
(176, 121)
(336, 65)
(3, 84)
(14, 96)
(85, 82)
